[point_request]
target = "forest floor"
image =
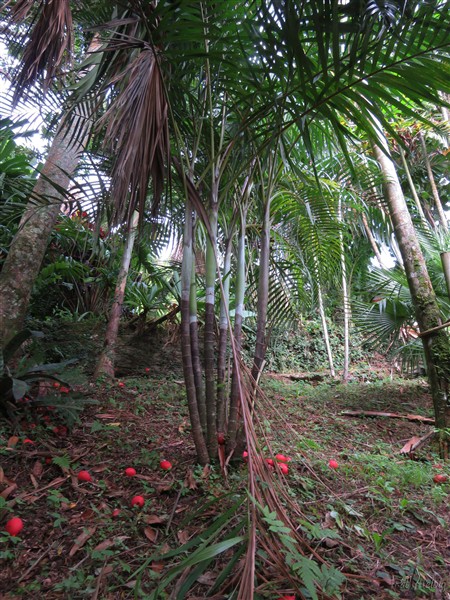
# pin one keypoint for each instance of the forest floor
(385, 520)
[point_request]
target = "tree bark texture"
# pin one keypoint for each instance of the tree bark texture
(23, 263)
(437, 345)
(105, 364)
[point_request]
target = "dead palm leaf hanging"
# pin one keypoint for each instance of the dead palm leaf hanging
(137, 134)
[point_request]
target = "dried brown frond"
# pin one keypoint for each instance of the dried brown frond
(20, 10)
(50, 40)
(137, 134)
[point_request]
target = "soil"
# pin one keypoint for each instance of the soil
(395, 543)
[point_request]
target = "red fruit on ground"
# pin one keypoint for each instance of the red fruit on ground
(48, 460)
(283, 468)
(56, 385)
(270, 462)
(121, 384)
(221, 438)
(147, 369)
(115, 513)
(130, 472)
(28, 441)
(282, 458)
(333, 464)
(165, 465)
(64, 390)
(245, 456)
(287, 598)
(84, 476)
(137, 501)
(14, 526)
(440, 478)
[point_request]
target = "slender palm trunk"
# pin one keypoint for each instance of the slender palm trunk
(237, 332)
(326, 337)
(413, 189)
(436, 345)
(345, 299)
(195, 349)
(186, 348)
(23, 263)
(263, 293)
(209, 338)
(105, 365)
(372, 241)
(436, 197)
(223, 338)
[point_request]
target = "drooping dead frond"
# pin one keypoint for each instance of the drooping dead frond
(49, 41)
(137, 134)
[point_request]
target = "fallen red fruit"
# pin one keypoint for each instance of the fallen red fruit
(221, 438)
(270, 462)
(166, 465)
(138, 501)
(440, 478)
(245, 455)
(84, 476)
(48, 460)
(14, 526)
(333, 464)
(283, 468)
(147, 370)
(115, 513)
(287, 598)
(130, 472)
(121, 384)
(282, 458)
(64, 390)
(28, 441)
(56, 385)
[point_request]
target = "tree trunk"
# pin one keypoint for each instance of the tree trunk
(23, 263)
(105, 364)
(326, 337)
(195, 349)
(437, 199)
(345, 299)
(436, 345)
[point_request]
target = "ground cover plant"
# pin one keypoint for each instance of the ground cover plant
(371, 513)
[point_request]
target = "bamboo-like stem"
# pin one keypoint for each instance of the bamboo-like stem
(105, 365)
(186, 348)
(345, 298)
(437, 199)
(326, 337)
(195, 349)
(372, 241)
(238, 320)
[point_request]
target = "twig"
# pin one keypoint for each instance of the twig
(433, 329)
(99, 582)
(35, 564)
(172, 514)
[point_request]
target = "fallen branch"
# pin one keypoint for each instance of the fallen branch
(416, 442)
(374, 413)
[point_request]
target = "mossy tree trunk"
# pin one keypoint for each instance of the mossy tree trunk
(23, 263)
(436, 345)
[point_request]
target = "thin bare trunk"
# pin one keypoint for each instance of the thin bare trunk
(223, 338)
(195, 349)
(345, 299)
(105, 365)
(436, 197)
(372, 241)
(437, 345)
(263, 293)
(413, 189)
(326, 337)
(237, 332)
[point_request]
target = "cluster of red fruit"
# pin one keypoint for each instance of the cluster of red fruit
(279, 462)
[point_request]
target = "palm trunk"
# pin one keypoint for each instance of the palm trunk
(23, 263)
(345, 299)
(195, 349)
(186, 348)
(263, 293)
(223, 338)
(210, 383)
(105, 364)
(437, 199)
(326, 337)
(237, 332)
(436, 345)
(413, 189)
